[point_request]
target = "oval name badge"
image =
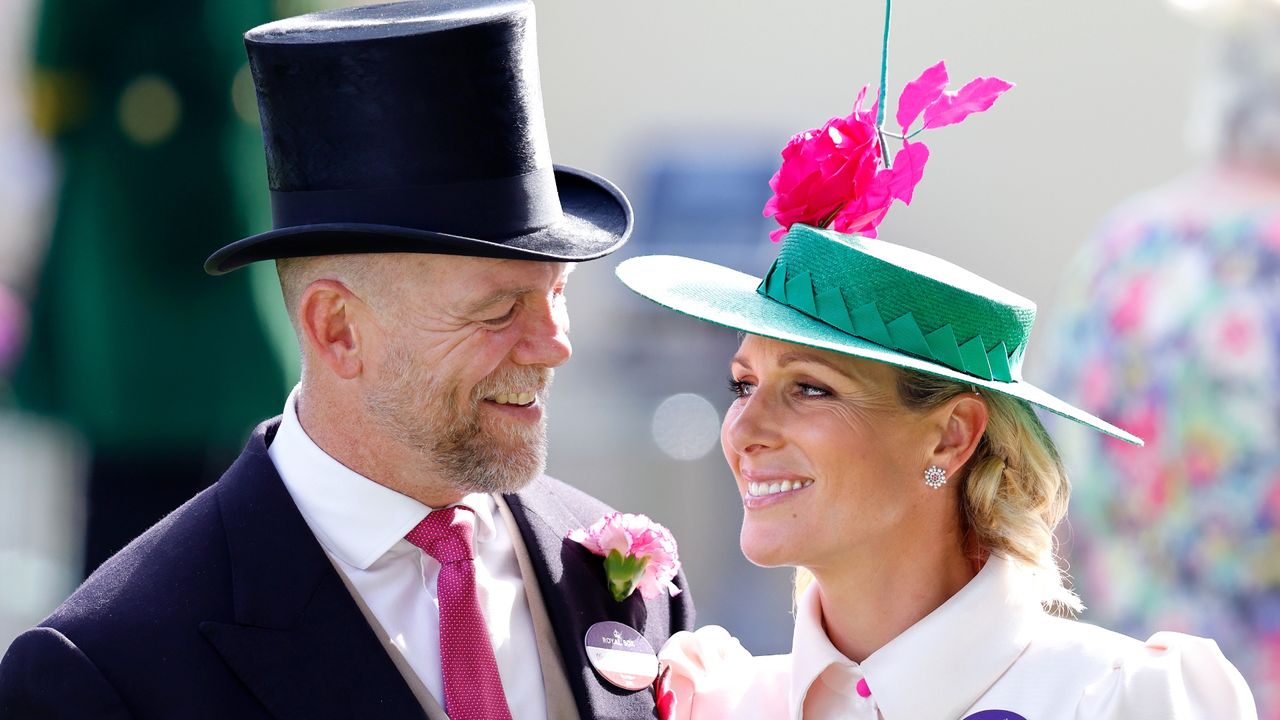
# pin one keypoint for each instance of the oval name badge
(994, 715)
(621, 655)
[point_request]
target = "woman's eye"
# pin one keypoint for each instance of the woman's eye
(812, 390)
(740, 389)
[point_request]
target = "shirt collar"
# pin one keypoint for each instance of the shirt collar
(938, 667)
(353, 517)
(811, 650)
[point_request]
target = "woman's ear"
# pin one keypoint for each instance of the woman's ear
(327, 319)
(964, 420)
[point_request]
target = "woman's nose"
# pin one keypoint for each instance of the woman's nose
(750, 427)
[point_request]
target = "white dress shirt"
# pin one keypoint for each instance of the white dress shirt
(989, 652)
(361, 525)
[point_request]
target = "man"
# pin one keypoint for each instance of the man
(386, 548)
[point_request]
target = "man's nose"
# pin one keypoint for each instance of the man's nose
(546, 337)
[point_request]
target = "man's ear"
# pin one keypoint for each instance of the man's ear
(327, 318)
(964, 419)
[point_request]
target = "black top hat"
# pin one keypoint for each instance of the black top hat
(416, 127)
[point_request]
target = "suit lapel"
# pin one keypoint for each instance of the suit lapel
(573, 586)
(561, 704)
(299, 642)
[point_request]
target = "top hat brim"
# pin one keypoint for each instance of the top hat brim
(729, 298)
(597, 219)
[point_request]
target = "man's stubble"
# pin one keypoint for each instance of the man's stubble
(419, 412)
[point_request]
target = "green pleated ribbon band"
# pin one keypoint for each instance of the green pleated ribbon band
(904, 300)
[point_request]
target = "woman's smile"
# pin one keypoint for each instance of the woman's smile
(770, 488)
(765, 496)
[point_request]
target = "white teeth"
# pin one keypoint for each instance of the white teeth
(760, 489)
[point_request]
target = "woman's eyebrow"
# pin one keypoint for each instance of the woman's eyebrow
(801, 357)
(804, 357)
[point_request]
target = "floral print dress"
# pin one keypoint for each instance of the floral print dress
(1170, 326)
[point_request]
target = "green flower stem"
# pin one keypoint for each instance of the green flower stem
(897, 136)
(623, 572)
(826, 222)
(884, 64)
(884, 83)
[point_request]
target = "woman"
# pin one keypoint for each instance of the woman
(884, 443)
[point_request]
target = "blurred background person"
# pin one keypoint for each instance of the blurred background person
(149, 107)
(24, 185)
(1171, 324)
(39, 558)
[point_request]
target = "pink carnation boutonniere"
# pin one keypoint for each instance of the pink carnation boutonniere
(840, 175)
(637, 552)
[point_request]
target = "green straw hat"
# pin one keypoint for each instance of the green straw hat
(869, 299)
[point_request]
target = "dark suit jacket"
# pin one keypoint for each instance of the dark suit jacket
(229, 608)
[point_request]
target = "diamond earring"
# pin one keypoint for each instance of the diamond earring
(935, 477)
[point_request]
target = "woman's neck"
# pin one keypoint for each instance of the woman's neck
(869, 601)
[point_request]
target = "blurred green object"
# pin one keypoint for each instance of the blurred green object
(131, 342)
(150, 107)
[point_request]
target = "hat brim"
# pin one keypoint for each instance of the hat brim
(597, 219)
(728, 298)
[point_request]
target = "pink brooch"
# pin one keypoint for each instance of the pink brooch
(637, 552)
(840, 175)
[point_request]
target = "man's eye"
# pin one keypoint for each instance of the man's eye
(503, 318)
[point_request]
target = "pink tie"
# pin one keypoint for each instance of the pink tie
(472, 686)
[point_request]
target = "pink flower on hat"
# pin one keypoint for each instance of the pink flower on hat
(835, 176)
(638, 553)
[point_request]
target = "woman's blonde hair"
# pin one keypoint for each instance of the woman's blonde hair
(1013, 490)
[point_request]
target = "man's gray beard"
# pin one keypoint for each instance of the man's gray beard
(417, 411)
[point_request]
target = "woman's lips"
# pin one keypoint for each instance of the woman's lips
(764, 489)
(770, 488)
